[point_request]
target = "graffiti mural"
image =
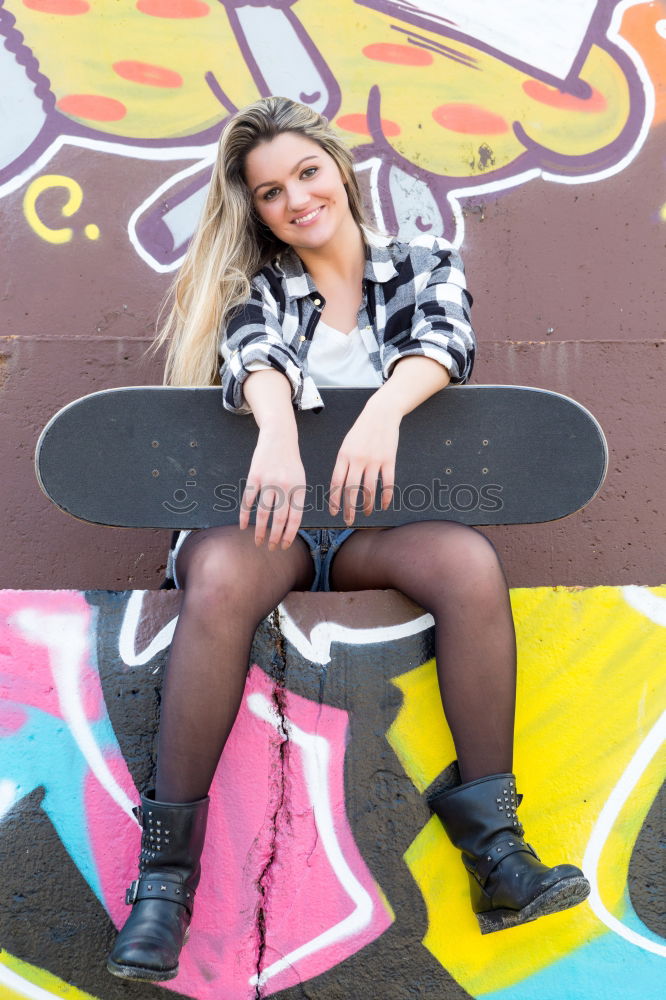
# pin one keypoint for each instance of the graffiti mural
(442, 100)
(322, 865)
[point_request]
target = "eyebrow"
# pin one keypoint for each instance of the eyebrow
(311, 156)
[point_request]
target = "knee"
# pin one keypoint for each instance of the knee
(470, 563)
(214, 579)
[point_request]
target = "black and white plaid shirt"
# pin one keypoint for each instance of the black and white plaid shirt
(414, 303)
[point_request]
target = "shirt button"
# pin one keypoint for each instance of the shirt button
(301, 339)
(317, 302)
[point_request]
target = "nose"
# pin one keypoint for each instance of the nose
(297, 197)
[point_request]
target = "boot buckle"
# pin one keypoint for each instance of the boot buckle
(131, 893)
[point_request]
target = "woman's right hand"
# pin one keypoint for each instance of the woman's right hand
(276, 483)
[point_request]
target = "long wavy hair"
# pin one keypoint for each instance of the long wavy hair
(231, 244)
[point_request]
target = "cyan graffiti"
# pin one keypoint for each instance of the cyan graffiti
(349, 862)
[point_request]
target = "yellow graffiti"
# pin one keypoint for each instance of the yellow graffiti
(47, 182)
(591, 686)
(98, 91)
(17, 976)
(486, 89)
(615, 856)
(155, 85)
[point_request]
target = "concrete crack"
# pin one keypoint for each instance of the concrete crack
(278, 674)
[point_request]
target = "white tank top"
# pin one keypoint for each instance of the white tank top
(340, 359)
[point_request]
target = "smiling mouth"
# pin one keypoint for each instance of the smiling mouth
(304, 219)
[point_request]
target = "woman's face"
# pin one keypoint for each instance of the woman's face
(297, 191)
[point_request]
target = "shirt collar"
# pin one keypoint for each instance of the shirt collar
(379, 266)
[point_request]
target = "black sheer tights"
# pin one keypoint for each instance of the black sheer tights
(452, 571)
(230, 585)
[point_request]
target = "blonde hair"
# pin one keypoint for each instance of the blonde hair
(230, 244)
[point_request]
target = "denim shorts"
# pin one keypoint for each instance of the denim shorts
(323, 544)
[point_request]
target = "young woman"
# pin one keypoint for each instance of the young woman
(306, 295)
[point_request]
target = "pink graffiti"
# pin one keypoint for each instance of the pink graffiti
(279, 837)
(316, 883)
(26, 665)
(11, 719)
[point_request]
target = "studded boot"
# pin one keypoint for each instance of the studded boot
(508, 883)
(162, 897)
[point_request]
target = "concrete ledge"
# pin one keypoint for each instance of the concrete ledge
(323, 872)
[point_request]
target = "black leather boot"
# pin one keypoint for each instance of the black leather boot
(162, 897)
(508, 883)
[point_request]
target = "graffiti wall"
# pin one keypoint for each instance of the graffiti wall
(440, 99)
(529, 133)
(324, 874)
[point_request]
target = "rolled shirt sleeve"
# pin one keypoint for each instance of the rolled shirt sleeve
(439, 325)
(253, 341)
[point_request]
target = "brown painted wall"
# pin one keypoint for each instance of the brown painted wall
(567, 279)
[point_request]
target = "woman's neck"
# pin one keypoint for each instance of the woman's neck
(341, 260)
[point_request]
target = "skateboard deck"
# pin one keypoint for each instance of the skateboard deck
(174, 458)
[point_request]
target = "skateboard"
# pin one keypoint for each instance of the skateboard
(175, 458)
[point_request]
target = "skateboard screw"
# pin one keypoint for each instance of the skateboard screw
(155, 444)
(485, 442)
(484, 471)
(448, 441)
(192, 472)
(156, 473)
(449, 471)
(193, 444)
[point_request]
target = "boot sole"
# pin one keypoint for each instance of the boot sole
(570, 892)
(138, 973)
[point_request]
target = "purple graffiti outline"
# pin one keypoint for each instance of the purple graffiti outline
(444, 26)
(329, 79)
(56, 124)
(153, 234)
(535, 155)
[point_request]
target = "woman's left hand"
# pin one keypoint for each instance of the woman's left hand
(368, 451)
